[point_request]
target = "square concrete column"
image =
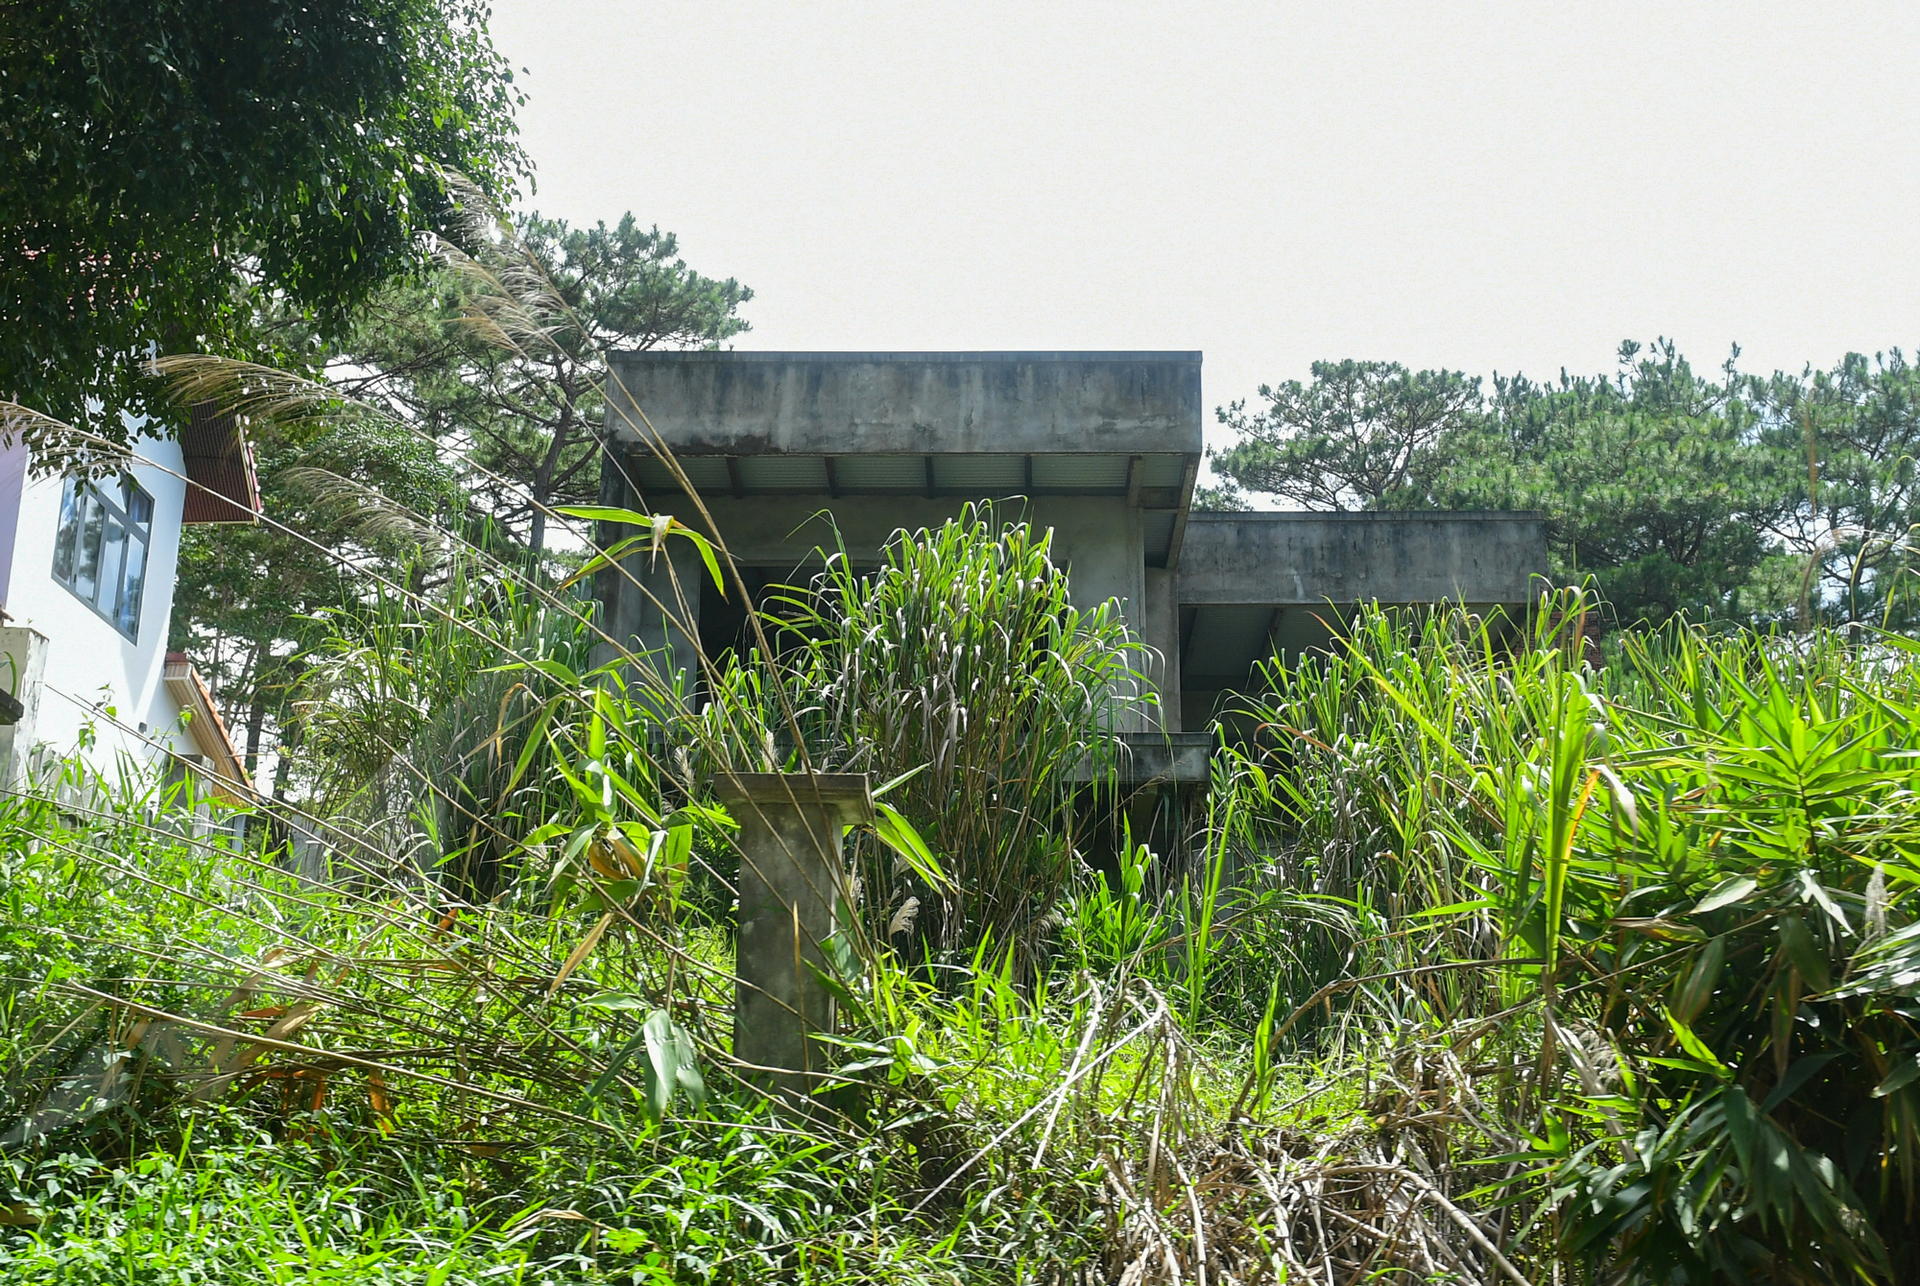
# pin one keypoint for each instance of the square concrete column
(23, 667)
(793, 880)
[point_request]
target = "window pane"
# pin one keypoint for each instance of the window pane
(113, 558)
(72, 502)
(86, 571)
(132, 585)
(139, 505)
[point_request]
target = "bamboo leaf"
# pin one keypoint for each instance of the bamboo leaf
(1737, 889)
(1904, 1073)
(899, 834)
(1697, 1048)
(580, 952)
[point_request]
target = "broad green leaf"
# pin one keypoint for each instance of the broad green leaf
(621, 1057)
(657, 527)
(676, 850)
(1742, 1124)
(901, 780)
(1661, 927)
(1798, 1075)
(1903, 1074)
(1814, 891)
(616, 1000)
(663, 1063)
(1726, 893)
(687, 1070)
(1696, 1047)
(604, 513)
(1700, 983)
(898, 834)
(1803, 953)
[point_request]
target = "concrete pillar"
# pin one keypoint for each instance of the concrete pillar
(23, 665)
(1160, 627)
(792, 883)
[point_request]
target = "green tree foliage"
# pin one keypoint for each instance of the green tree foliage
(528, 415)
(1349, 440)
(1729, 497)
(342, 500)
(1845, 443)
(1654, 484)
(472, 395)
(167, 163)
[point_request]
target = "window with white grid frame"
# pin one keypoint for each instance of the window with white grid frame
(100, 550)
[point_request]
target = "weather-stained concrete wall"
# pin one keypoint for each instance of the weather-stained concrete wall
(1280, 558)
(909, 403)
(795, 453)
(1096, 537)
(1099, 449)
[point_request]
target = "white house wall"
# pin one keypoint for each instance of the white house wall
(94, 674)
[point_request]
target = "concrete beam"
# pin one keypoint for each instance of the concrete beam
(910, 403)
(1166, 758)
(1281, 558)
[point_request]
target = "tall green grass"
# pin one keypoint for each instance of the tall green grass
(1485, 964)
(1612, 966)
(1686, 874)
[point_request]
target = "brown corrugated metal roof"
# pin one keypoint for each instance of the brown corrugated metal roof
(222, 485)
(225, 771)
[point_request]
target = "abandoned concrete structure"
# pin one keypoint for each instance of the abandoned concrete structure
(1103, 448)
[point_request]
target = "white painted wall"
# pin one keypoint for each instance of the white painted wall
(94, 674)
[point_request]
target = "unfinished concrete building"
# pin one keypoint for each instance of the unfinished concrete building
(1103, 448)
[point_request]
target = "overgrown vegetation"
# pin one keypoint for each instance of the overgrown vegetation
(188, 175)
(1484, 965)
(1482, 961)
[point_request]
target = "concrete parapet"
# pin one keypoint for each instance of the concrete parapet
(1305, 558)
(1151, 759)
(833, 404)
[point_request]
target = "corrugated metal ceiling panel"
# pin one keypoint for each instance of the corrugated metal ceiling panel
(707, 473)
(783, 473)
(983, 475)
(1162, 470)
(998, 475)
(881, 472)
(1080, 472)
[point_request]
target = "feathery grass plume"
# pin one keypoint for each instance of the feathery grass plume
(58, 447)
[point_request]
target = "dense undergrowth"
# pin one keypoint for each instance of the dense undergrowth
(1482, 964)
(1479, 961)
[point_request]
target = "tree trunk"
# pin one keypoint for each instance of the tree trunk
(549, 465)
(283, 767)
(537, 528)
(256, 721)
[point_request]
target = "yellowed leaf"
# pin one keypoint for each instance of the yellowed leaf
(580, 952)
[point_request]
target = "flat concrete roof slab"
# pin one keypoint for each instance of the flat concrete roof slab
(1287, 558)
(982, 404)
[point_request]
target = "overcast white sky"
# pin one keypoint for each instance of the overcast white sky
(1482, 187)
